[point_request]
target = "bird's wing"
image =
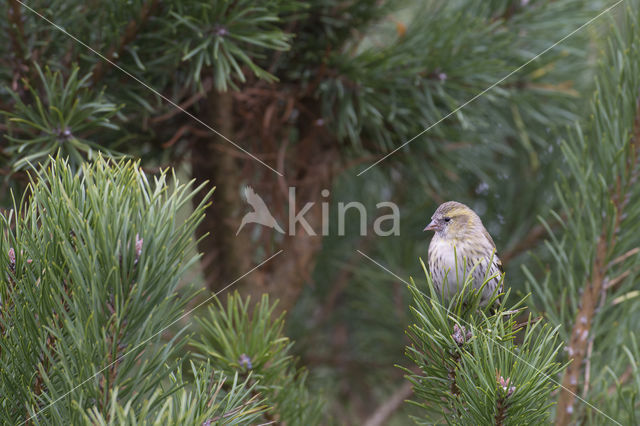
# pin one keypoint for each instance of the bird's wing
(487, 235)
(496, 259)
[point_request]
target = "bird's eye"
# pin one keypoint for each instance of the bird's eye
(447, 219)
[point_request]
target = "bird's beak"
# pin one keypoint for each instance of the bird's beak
(431, 226)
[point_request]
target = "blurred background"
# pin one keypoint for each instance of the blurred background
(317, 91)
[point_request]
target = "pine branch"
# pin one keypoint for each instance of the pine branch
(476, 373)
(72, 298)
(207, 83)
(16, 34)
(533, 237)
(49, 352)
(595, 288)
(249, 344)
(130, 34)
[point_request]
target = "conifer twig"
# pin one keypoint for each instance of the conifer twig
(596, 286)
(207, 83)
(130, 33)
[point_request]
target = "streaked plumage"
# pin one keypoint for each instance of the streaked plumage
(461, 240)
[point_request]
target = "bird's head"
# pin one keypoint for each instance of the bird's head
(454, 220)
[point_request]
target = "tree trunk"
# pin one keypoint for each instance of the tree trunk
(224, 256)
(227, 256)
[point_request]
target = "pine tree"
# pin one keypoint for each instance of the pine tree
(91, 262)
(477, 365)
(591, 290)
(589, 295)
(318, 92)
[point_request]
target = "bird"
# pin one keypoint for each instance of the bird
(460, 246)
(260, 213)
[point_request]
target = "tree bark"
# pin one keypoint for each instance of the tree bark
(225, 257)
(285, 277)
(309, 167)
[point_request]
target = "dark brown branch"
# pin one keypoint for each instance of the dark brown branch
(177, 135)
(130, 33)
(451, 372)
(206, 86)
(16, 34)
(532, 239)
(227, 251)
(509, 11)
(17, 28)
(501, 412)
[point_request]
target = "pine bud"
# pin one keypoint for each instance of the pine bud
(245, 361)
(12, 259)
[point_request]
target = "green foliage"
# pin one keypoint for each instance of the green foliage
(207, 404)
(475, 366)
(366, 75)
(228, 36)
(389, 89)
(498, 155)
(91, 263)
(61, 118)
(238, 341)
(595, 250)
(599, 160)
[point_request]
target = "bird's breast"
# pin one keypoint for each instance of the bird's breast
(450, 252)
(454, 257)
